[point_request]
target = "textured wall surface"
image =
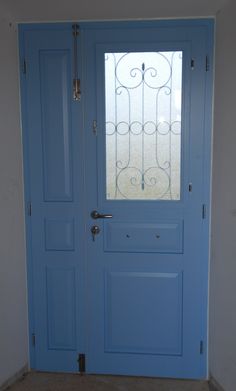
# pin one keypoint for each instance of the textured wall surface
(223, 258)
(13, 307)
(45, 10)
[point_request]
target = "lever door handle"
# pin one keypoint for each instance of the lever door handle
(95, 215)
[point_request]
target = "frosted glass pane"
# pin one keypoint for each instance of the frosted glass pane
(143, 125)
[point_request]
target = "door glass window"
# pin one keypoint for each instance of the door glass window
(143, 125)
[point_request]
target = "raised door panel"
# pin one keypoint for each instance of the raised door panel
(56, 124)
(159, 237)
(143, 313)
(61, 309)
(59, 234)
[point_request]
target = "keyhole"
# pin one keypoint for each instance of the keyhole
(128, 236)
(158, 236)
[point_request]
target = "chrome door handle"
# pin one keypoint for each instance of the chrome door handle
(95, 215)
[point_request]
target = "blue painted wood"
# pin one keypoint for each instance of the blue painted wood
(59, 235)
(61, 308)
(53, 154)
(56, 129)
(146, 311)
(150, 319)
(160, 237)
(27, 193)
(114, 304)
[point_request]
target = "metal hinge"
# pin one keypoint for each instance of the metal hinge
(24, 67)
(192, 63)
(29, 208)
(203, 211)
(207, 64)
(81, 362)
(95, 127)
(75, 29)
(33, 339)
(201, 347)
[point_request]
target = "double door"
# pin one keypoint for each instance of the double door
(117, 184)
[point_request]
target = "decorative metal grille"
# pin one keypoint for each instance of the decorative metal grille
(143, 125)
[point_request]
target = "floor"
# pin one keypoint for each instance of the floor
(73, 382)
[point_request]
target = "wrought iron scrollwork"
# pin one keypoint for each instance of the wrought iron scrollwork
(141, 140)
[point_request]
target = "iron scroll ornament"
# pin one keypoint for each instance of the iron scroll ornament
(152, 177)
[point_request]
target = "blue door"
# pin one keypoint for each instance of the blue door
(54, 175)
(117, 193)
(147, 261)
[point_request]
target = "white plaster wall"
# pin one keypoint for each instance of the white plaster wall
(13, 308)
(223, 258)
(55, 10)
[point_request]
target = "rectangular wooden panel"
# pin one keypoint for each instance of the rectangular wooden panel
(56, 124)
(143, 312)
(59, 235)
(61, 309)
(162, 237)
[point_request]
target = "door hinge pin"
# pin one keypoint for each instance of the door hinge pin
(207, 64)
(24, 68)
(33, 339)
(192, 63)
(29, 209)
(95, 127)
(81, 362)
(201, 347)
(203, 211)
